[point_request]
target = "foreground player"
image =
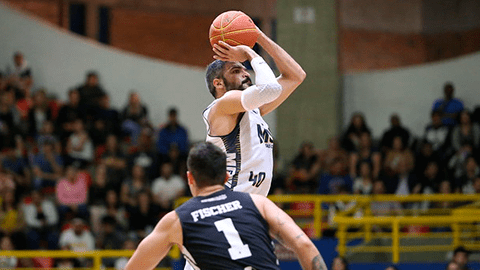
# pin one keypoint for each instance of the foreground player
(234, 119)
(223, 229)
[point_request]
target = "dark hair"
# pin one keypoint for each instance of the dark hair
(172, 110)
(461, 250)
(208, 164)
(92, 74)
(344, 261)
(448, 85)
(214, 71)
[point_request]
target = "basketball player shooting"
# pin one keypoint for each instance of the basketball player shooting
(234, 119)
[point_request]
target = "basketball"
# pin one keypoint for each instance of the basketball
(234, 28)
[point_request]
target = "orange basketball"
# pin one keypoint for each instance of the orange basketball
(234, 28)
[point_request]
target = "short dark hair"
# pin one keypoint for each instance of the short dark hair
(214, 71)
(92, 73)
(208, 164)
(461, 250)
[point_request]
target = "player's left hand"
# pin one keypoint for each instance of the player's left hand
(225, 52)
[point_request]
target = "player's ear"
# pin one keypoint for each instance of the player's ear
(190, 178)
(226, 178)
(218, 83)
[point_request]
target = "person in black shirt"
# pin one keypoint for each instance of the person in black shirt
(223, 229)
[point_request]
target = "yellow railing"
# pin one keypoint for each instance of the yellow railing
(96, 255)
(361, 202)
(456, 223)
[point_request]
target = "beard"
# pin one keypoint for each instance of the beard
(242, 86)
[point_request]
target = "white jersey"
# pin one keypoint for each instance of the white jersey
(249, 149)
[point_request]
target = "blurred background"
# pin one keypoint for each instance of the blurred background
(106, 96)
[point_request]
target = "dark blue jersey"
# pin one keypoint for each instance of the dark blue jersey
(225, 230)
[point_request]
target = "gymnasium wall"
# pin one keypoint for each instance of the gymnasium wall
(410, 92)
(59, 61)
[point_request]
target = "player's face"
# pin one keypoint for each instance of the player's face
(236, 77)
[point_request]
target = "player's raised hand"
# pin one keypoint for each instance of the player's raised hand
(240, 53)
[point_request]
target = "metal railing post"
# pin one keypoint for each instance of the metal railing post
(456, 234)
(97, 261)
(342, 239)
(396, 241)
(317, 217)
(368, 226)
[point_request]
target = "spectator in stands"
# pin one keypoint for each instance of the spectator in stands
(365, 152)
(134, 116)
(304, 170)
(72, 194)
(391, 267)
(179, 161)
(112, 208)
(172, 133)
(131, 187)
(47, 133)
(339, 263)
(449, 106)
(77, 238)
(15, 164)
(41, 218)
(445, 187)
(21, 77)
(3, 82)
(12, 221)
(9, 119)
(144, 155)
(333, 151)
(464, 184)
(6, 243)
(91, 92)
(39, 113)
(437, 134)
(68, 114)
(476, 184)
(405, 182)
(452, 266)
(363, 184)
(351, 137)
(79, 146)
(396, 130)
(465, 133)
(99, 186)
(121, 263)
(47, 166)
(431, 178)
(331, 181)
(394, 155)
(110, 238)
(106, 122)
(460, 256)
(383, 208)
(7, 184)
(168, 187)
(144, 216)
(115, 162)
(425, 156)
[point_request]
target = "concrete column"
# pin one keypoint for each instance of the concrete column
(307, 29)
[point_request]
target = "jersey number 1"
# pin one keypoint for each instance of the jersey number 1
(237, 249)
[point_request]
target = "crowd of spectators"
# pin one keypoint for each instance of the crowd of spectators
(443, 159)
(80, 175)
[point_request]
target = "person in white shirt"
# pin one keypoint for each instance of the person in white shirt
(167, 187)
(40, 216)
(77, 238)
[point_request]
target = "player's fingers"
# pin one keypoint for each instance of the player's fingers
(219, 53)
(224, 44)
(220, 48)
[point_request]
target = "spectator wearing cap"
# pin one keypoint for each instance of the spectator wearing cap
(448, 106)
(47, 166)
(460, 256)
